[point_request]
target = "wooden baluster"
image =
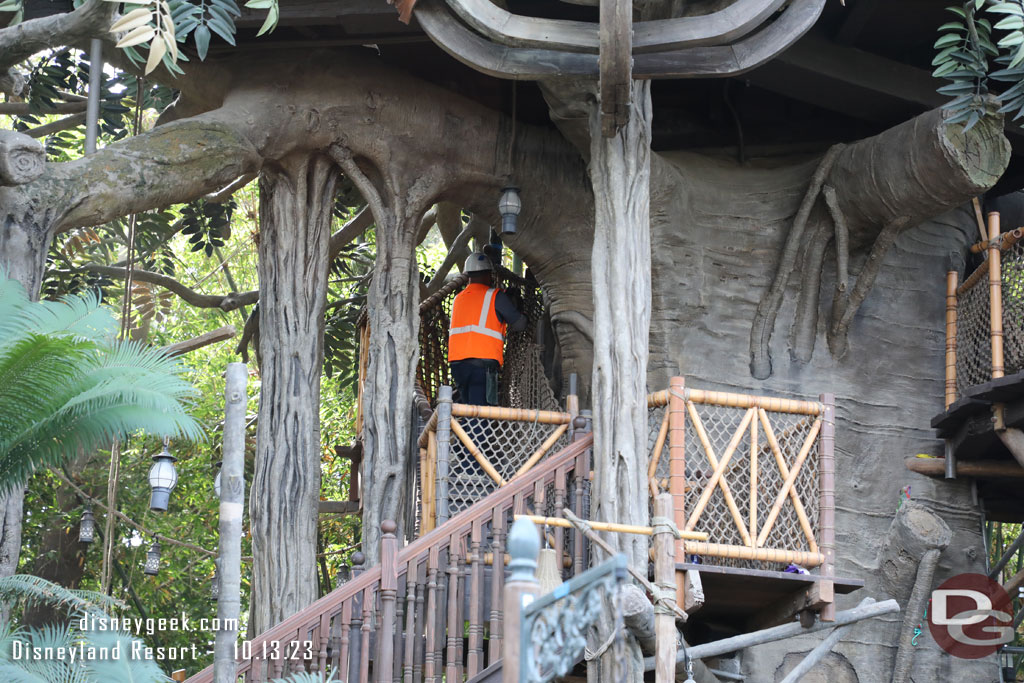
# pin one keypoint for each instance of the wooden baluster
(342, 665)
(276, 664)
(384, 664)
(475, 591)
(409, 641)
(454, 624)
(421, 621)
(462, 595)
(323, 631)
(430, 661)
(559, 532)
(364, 639)
(497, 583)
(442, 617)
(356, 635)
(523, 549)
(398, 636)
(581, 427)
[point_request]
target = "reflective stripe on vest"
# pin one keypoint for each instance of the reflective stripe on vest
(483, 338)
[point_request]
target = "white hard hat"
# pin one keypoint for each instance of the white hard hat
(477, 262)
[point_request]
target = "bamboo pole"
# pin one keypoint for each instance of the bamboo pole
(659, 444)
(610, 527)
(462, 436)
(980, 218)
(798, 505)
(790, 480)
(995, 306)
(514, 414)
(728, 400)
(753, 479)
(974, 278)
(823, 592)
(951, 279)
(1004, 240)
(742, 552)
(677, 484)
(717, 478)
(979, 469)
(541, 451)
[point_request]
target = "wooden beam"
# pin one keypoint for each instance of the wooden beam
(616, 64)
(205, 339)
(980, 469)
(338, 507)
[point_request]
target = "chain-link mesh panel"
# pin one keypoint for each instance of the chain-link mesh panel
(974, 330)
(973, 337)
(523, 383)
(506, 444)
(791, 431)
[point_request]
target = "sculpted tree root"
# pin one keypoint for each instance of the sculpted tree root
(872, 190)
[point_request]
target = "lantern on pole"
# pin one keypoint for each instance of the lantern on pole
(87, 527)
(509, 207)
(152, 566)
(162, 479)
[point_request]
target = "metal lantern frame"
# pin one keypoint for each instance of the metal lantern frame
(509, 207)
(163, 477)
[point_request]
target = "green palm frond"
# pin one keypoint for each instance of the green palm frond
(126, 668)
(19, 665)
(35, 589)
(66, 384)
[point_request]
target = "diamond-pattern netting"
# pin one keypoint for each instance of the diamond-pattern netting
(974, 332)
(507, 445)
(720, 425)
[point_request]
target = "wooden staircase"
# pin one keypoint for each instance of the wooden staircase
(433, 609)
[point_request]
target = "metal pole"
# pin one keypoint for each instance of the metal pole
(232, 500)
(92, 106)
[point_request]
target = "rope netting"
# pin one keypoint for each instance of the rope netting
(523, 383)
(720, 425)
(974, 332)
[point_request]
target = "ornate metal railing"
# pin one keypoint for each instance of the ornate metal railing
(756, 473)
(985, 314)
(468, 452)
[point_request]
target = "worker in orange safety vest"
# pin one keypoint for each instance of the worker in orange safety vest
(481, 314)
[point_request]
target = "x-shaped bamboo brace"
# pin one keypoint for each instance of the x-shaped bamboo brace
(717, 479)
(801, 513)
(790, 476)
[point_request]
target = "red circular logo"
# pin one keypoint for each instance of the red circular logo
(970, 616)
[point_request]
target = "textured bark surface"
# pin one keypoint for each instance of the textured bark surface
(296, 196)
(621, 279)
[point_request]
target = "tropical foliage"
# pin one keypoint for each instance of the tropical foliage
(983, 62)
(67, 384)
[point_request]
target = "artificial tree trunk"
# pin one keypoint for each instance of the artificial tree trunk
(621, 275)
(296, 195)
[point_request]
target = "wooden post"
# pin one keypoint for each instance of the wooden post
(753, 481)
(665, 580)
(823, 593)
(951, 285)
(232, 503)
(520, 590)
(385, 663)
(677, 454)
(572, 399)
(995, 296)
(444, 437)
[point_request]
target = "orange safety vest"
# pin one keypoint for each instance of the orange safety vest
(476, 331)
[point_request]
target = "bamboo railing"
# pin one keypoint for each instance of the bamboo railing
(459, 438)
(756, 462)
(431, 611)
(982, 310)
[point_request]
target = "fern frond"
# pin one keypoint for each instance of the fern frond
(35, 589)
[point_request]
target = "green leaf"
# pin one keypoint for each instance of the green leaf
(1010, 23)
(1006, 8)
(271, 21)
(1012, 39)
(947, 40)
(202, 38)
(957, 11)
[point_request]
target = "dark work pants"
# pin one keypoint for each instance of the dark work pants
(470, 378)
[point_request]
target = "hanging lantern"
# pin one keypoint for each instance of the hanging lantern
(152, 566)
(162, 479)
(216, 479)
(87, 527)
(509, 206)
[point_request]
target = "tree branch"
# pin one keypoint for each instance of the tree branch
(23, 40)
(457, 249)
(56, 126)
(222, 195)
(355, 227)
(23, 108)
(225, 302)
